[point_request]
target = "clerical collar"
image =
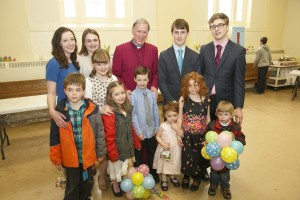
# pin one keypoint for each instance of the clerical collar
(137, 46)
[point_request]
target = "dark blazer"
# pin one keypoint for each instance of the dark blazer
(169, 78)
(229, 78)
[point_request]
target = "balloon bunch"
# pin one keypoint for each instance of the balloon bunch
(138, 182)
(222, 150)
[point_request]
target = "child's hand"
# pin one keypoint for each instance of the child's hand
(174, 126)
(106, 109)
(100, 159)
(58, 167)
(166, 146)
(204, 143)
(179, 140)
(141, 136)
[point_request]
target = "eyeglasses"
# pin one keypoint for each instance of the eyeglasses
(220, 26)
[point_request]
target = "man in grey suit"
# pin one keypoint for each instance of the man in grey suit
(222, 64)
(175, 62)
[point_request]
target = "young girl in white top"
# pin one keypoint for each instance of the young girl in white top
(96, 86)
(90, 43)
(167, 159)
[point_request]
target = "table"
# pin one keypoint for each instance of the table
(296, 84)
(277, 80)
(20, 111)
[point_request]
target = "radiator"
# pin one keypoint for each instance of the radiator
(22, 70)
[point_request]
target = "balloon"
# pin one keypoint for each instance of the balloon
(129, 195)
(131, 171)
(213, 149)
(211, 136)
(233, 165)
(229, 155)
(148, 182)
(146, 194)
(238, 146)
(217, 163)
(144, 169)
(137, 178)
(138, 191)
(224, 139)
(126, 185)
(204, 154)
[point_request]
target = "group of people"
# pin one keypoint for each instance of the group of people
(105, 116)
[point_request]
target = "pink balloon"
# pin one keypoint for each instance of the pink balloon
(224, 139)
(217, 163)
(129, 195)
(144, 169)
(131, 171)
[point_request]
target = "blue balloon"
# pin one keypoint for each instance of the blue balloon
(148, 182)
(238, 146)
(126, 185)
(233, 165)
(213, 149)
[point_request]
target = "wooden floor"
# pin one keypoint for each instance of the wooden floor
(270, 164)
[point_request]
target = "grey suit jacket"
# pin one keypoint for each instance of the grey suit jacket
(229, 78)
(169, 78)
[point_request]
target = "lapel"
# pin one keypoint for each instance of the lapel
(173, 59)
(212, 58)
(226, 52)
(186, 58)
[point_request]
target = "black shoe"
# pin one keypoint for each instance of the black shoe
(204, 175)
(156, 178)
(185, 183)
(195, 185)
(164, 186)
(212, 190)
(175, 182)
(226, 193)
(116, 194)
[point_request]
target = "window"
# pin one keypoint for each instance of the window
(97, 11)
(236, 10)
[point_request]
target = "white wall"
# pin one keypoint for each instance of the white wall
(27, 26)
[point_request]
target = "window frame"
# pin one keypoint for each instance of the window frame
(232, 17)
(109, 20)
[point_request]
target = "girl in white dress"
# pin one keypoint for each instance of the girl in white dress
(167, 159)
(96, 87)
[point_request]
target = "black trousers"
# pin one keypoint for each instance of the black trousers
(213, 107)
(261, 83)
(146, 154)
(76, 187)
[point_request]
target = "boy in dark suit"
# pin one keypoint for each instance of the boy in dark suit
(175, 62)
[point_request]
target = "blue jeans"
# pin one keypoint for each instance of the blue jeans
(220, 177)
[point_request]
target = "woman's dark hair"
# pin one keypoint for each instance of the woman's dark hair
(58, 52)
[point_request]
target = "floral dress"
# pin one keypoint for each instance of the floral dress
(194, 127)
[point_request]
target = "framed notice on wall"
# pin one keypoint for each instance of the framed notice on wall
(238, 35)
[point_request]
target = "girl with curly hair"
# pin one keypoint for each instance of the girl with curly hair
(193, 118)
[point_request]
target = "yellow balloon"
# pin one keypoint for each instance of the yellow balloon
(137, 178)
(229, 154)
(146, 194)
(204, 154)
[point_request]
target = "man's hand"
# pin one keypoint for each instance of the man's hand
(153, 89)
(239, 115)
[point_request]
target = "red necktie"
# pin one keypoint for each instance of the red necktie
(218, 56)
